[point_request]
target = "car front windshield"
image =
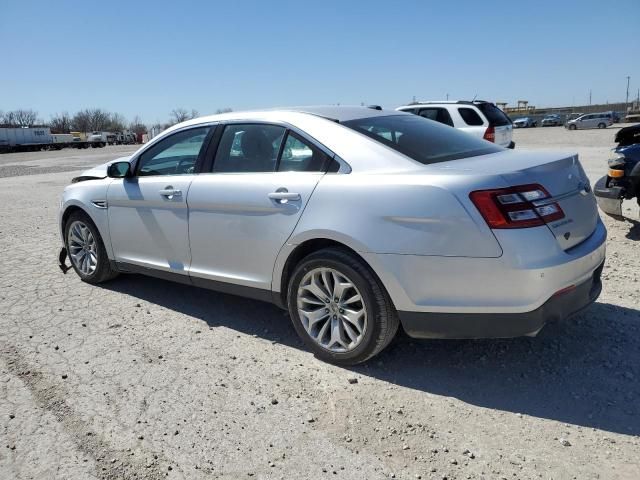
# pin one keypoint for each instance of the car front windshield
(421, 139)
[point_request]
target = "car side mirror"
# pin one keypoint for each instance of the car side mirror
(119, 170)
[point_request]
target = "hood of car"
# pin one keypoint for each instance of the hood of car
(99, 171)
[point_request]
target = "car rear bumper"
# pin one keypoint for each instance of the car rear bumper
(503, 325)
(511, 295)
(609, 198)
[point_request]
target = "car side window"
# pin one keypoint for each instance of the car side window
(437, 114)
(247, 148)
(175, 155)
(298, 155)
(470, 117)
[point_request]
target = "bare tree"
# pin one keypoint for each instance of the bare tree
(9, 119)
(20, 118)
(99, 119)
(26, 118)
(137, 126)
(82, 121)
(92, 119)
(224, 110)
(61, 122)
(178, 115)
(117, 122)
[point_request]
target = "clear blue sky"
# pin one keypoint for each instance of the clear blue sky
(148, 57)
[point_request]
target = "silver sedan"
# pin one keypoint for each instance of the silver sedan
(355, 220)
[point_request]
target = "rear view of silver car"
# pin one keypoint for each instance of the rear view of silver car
(355, 220)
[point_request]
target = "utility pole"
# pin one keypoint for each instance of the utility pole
(626, 103)
(589, 96)
(447, 97)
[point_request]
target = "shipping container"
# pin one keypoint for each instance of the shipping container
(25, 136)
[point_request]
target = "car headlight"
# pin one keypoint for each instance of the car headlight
(616, 160)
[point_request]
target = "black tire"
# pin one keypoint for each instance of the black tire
(602, 125)
(103, 271)
(572, 127)
(382, 318)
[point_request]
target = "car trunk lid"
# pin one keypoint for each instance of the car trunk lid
(560, 174)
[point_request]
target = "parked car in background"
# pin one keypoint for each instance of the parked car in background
(623, 176)
(615, 116)
(553, 120)
(479, 118)
(632, 118)
(524, 122)
(355, 220)
(590, 120)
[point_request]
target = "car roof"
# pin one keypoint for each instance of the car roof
(340, 113)
(335, 113)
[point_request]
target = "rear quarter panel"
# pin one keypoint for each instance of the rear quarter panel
(413, 214)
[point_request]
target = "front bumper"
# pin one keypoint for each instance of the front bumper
(609, 198)
(503, 325)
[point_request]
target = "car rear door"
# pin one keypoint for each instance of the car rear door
(437, 114)
(148, 215)
(470, 121)
(242, 213)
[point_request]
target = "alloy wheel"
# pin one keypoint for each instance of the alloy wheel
(331, 310)
(83, 250)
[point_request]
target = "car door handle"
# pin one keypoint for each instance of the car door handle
(280, 197)
(170, 192)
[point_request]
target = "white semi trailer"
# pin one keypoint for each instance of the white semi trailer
(32, 139)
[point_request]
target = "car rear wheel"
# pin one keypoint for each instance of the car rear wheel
(339, 308)
(86, 250)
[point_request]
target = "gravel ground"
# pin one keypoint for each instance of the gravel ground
(143, 378)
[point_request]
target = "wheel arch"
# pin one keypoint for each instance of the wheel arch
(98, 220)
(296, 253)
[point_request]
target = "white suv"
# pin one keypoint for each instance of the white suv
(479, 118)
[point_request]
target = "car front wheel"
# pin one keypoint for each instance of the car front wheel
(86, 250)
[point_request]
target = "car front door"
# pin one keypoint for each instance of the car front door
(148, 215)
(243, 212)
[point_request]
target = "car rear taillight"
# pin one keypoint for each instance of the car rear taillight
(516, 207)
(490, 134)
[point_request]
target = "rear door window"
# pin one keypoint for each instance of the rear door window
(470, 117)
(496, 117)
(298, 155)
(245, 148)
(437, 114)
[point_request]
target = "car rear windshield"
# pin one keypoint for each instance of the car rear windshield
(423, 140)
(496, 117)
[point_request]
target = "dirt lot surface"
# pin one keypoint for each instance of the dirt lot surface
(143, 378)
